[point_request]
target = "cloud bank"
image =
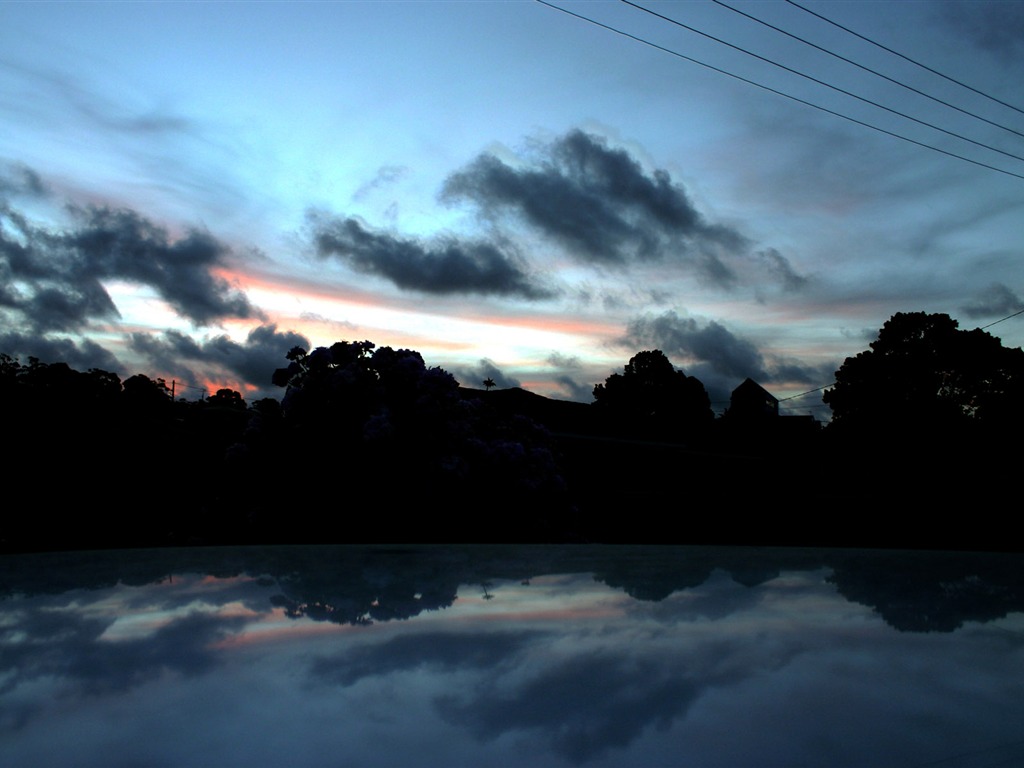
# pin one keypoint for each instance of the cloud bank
(52, 280)
(600, 204)
(997, 299)
(447, 265)
(715, 355)
(253, 361)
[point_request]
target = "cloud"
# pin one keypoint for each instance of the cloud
(601, 206)
(253, 361)
(123, 244)
(780, 269)
(710, 343)
(73, 654)
(997, 28)
(789, 370)
(438, 650)
(53, 279)
(717, 357)
(569, 367)
(560, 360)
(579, 391)
(81, 355)
(997, 299)
(386, 175)
(445, 266)
(20, 180)
(485, 369)
(68, 93)
(582, 708)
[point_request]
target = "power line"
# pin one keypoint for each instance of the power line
(808, 392)
(819, 81)
(868, 69)
(1021, 312)
(776, 91)
(905, 58)
(818, 389)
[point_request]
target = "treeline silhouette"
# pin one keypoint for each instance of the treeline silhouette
(370, 444)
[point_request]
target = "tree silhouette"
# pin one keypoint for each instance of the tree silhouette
(227, 398)
(652, 396)
(923, 374)
(489, 383)
(380, 419)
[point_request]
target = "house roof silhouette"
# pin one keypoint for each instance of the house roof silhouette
(751, 400)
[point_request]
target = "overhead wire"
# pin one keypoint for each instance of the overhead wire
(826, 386)
(805, 102)
(819, 81)
(867, 69)
(1015, 314)
(905, 58)
(808, 392)
(776, 91)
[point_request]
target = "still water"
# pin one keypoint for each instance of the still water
(511, 656)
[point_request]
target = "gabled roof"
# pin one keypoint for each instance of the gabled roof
(750, 388)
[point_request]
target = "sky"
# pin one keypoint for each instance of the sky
(190, 189)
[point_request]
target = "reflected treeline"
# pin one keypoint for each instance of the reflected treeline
(911, 591)
(931, 591)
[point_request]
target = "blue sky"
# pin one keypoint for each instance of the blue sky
(189, 189)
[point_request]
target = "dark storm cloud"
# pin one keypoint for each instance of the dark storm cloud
(445, 266)
(601, 205)
(81, 355)
(125, 245)
(997, 299)
(52, 279)
(253, 361)
(719, 358)
(710, 343)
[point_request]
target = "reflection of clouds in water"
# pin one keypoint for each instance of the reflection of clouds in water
(722, 596)
(187, 590)
(560, 669)
(584, 688)
(590, 690)
(580, 707)
(107, 641)
(434, 650)
(68, 648)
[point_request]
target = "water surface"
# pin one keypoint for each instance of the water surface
(532, 656)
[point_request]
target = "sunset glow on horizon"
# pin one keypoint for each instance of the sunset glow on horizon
(188, 190)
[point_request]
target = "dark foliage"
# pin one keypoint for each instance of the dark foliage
(651, 398)
(924, 376)
(371, 445)
(428, 464)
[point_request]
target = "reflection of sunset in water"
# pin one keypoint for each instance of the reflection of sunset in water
(400, 659)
